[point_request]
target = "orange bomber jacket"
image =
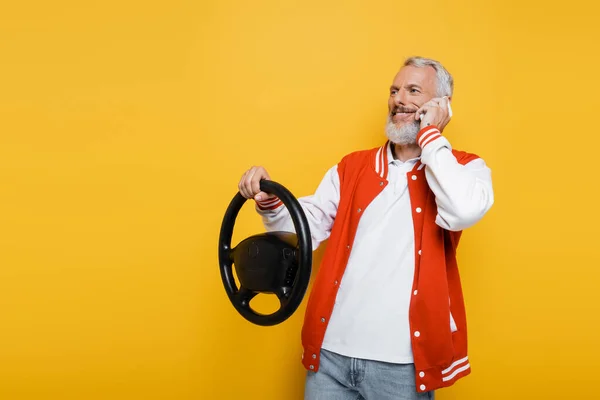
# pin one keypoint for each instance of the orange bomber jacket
(437, 315)
(440, 355)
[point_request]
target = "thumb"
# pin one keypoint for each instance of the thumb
(262, 196)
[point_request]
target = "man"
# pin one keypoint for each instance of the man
(386, 317)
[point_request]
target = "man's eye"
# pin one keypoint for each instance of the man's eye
(413, 90)
(393, 92)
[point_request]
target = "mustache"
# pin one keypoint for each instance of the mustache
(401, 109)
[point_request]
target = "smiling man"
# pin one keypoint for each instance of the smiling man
(386, 317)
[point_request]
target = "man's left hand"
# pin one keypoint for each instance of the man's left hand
(434, 112)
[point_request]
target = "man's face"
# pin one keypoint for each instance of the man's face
(412, 87)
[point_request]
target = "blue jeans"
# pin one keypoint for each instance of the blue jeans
(341, 378)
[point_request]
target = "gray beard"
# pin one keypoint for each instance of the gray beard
(406, 134)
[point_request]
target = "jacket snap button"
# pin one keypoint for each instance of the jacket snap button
(422, 387)
(359, 210)
(380, 183)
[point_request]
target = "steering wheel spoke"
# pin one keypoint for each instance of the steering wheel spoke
(229, 254)
(283, 294)
(244, 296)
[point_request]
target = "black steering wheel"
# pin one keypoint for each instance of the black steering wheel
(277, 263)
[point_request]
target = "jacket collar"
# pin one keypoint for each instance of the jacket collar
(384, 157)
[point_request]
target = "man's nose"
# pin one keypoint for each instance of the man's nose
(400, 98)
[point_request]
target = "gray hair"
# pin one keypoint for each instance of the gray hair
(445, 82)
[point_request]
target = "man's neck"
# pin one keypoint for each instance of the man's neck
(404, 152)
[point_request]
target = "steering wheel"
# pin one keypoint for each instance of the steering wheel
(277, 263)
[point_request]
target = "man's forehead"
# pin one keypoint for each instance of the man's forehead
(418, 75)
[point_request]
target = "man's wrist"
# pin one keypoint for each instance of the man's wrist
(269, 204)
(428, 134)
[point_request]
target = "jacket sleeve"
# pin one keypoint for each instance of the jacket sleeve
(463, 190)
(320, 209)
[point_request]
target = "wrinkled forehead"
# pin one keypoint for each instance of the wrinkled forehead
(424, 77)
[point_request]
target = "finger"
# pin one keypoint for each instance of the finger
(445, 121)
(423, 109)
(248, 184)
(437, 100)
(443, 102)
(243, 191)
(241, 186)
(260, 196)
(440, 103)
(255, 182)
(431, 115)
(420, 114)
(445, 106)
(261, 174)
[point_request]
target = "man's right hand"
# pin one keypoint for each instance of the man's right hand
(249, 185)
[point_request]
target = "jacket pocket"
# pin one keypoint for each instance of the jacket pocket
(453, 327)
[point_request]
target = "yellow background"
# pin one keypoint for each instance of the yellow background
(125, 126)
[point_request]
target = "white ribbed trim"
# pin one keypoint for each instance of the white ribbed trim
(270, 202)
(454, 364)
(457, 371)
(377, 161)
(383, 167)
(428, 136)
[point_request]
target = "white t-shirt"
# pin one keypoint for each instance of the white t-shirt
(370, 316)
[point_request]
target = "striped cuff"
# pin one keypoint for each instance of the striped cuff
(427, 135)
(269, 204)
